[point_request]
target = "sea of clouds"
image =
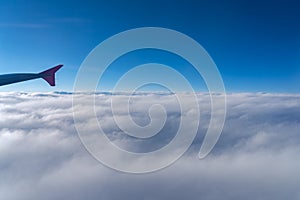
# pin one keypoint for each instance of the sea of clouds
(42, 157)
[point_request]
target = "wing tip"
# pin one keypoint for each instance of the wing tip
(49, 74)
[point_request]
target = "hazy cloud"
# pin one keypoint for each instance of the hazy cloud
(24, 25)
(41, 156)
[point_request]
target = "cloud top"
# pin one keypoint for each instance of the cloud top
(41, 156)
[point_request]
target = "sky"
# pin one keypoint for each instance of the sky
(255, 44)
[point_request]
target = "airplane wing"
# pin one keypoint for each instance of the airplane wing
(48, 75)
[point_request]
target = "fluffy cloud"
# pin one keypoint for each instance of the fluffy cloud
(41, 156)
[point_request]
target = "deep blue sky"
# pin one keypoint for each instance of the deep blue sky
(255, 44)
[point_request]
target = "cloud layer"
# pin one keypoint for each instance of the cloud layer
(41, 156)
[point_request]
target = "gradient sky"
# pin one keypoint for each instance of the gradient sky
(255, 44)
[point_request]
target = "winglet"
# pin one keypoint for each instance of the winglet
(49, 75)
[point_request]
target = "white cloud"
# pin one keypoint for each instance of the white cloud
(41, 156)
